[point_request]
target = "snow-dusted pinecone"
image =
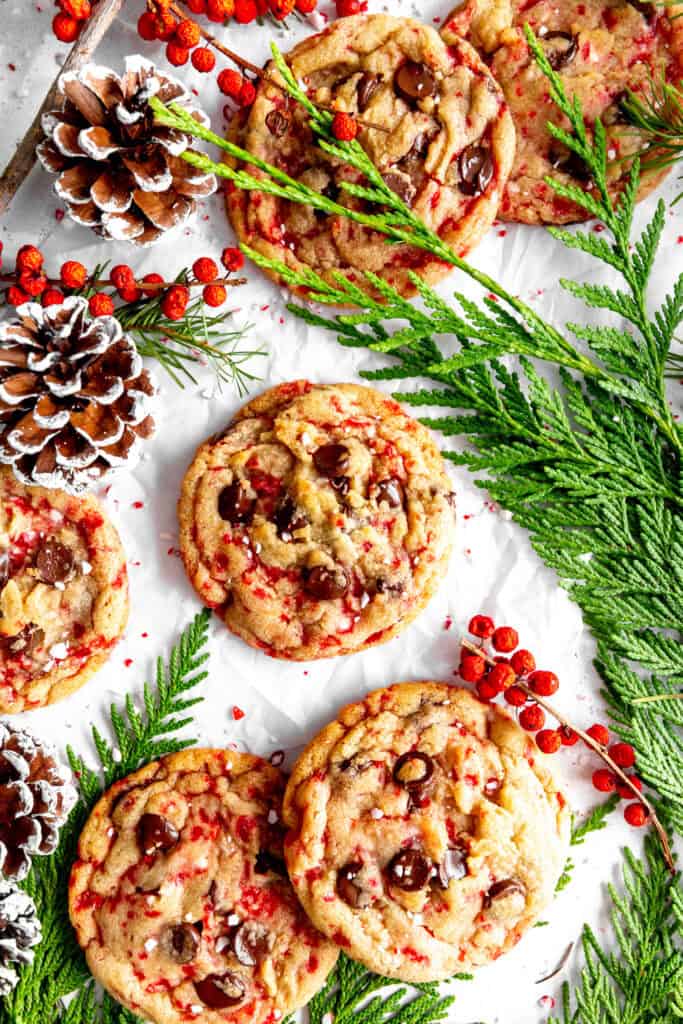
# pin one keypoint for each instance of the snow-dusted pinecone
(19, 932)
(74, 397)
(119, 173)
(36, 797)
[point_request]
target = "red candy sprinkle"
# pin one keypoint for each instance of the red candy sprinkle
(344, 127)
(237, 713)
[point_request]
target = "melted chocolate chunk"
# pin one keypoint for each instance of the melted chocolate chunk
(453, 866)
(560, 48)
(156, 833)
(413, 770)
(267, 861)
(349, 889)
(287, 520)
(181, 942)
(277, 123)
(219, 991)
(26, 641)
(389, 490)
(615, 113)
(401, 185)
(476, 170)
(648, 10)
(569, 162)
(325, 584)
(331, 460)
(414, 82)
(368, 84)
(4, 568)
(503, 889)
(235, 505)
(251, 943)
(409, 870)
(54, 561)
(385, 587)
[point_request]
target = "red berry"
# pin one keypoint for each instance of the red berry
(472, 668)
(281, 9)
(232, 259)
(147, 26)
(515, 696)
(532, 718)
(152, 293)
(230, 82)
(545, 684)
(166, 25)
(549, 741)
(214, 294)
(344, 127)
(177, 55)
(204, 269)
(481, 626)
(29, 258)
(624, 791)
(187, 34)
(505, 639)
(623, 754)
(219, 10)
(174, 302)
(523, 662)
(52, 297)
(203, 59)
(245, 11)
(73, 274)
(15, 296)
(599, 733)
(502, 677)
(65, 27)
(100, 304)
(122, 276)
(636, 815)
(32, 284)
(131, 294)
(487, 690)
(247, 94)
(197, 6)
(306, 6)
(604, 780)
(78, 9)
(568, 736)
(345, 8)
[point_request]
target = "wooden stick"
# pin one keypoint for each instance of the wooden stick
(598, 748)
(24, 157)
(229, 282)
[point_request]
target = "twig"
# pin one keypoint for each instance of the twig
(598, 748)
(103, 282)
(563, 960)
(24, 157)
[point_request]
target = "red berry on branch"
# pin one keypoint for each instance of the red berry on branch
(214, 294)
(52, 297)
(147, 26)
(344, 127)
(152, 293)
(600, 733)
(204, 269)
(624, 791)
(345, 8)
(122, 276)
(16, 297)
(505, 639)
(523, 662)
(78, 9)
(232, 259)
(281, 9)
(177, 55)
(636, 815)
(73, 274)
(481, 626)
(623, 754)
(203, 59)
(219, 10)
(32, 284)
(100, 304)
(532, 718)
(165, 25)
(549, 741)
(486, 690)
(230, 82)
(247, 94)
(501, 676)
(29, 258)
(515, 696)
(65, 27)
(130, 294)
(604, 780)
(245, 11)
(545, 684)
(174, 302)
(568, 736)
(471, 668)
(306, 6)
(187, 34)
(197, 6)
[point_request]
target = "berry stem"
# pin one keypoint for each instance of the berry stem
(104, 282)
(595, 747)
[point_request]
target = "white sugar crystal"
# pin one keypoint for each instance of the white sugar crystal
(58, 585)
(86, 568)
(376, 813)
(272, 817)
(150, 945)
(233, 920)
(59, 651)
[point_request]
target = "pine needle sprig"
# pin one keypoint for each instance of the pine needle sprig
(659, 117)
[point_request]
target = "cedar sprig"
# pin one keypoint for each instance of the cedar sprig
(595, 821)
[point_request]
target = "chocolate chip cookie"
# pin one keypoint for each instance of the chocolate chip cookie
(63, 593)
(180, 897)
(445, 144)
(319, 522)
(601, 49)
(426, 831)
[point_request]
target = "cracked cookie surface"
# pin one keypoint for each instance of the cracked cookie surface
(426, 832)
(180, 897)
(319, 523)
(447, 148)
(63, 593)
(601, 49)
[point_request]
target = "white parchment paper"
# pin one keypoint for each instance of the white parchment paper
(493, 568)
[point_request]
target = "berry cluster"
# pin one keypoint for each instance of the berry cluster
(70, 18)
(345, 8)
(29, 282)
(517, 679)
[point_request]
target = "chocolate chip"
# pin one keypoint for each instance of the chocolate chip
(615, 113)
(277, 123)
(401, 185)
(26, 641)
(251, 943)
(648, 10)
(560, 48)
(235, 505)
(219, 991)
(409, 870)
(267, 861)
(156, 833)
(54, 561)
(503, 889)
(325, 584)
(181, 942)
(349, 889)
(383, 586)
(569, 162)
(476, 170)
(413, 770)
(288, 519)
(414, 82)
(453, 866)
(4, 568)
(331, 460)
(368, 85)
(389, 490)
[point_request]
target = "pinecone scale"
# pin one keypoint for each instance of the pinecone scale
(20, 931)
